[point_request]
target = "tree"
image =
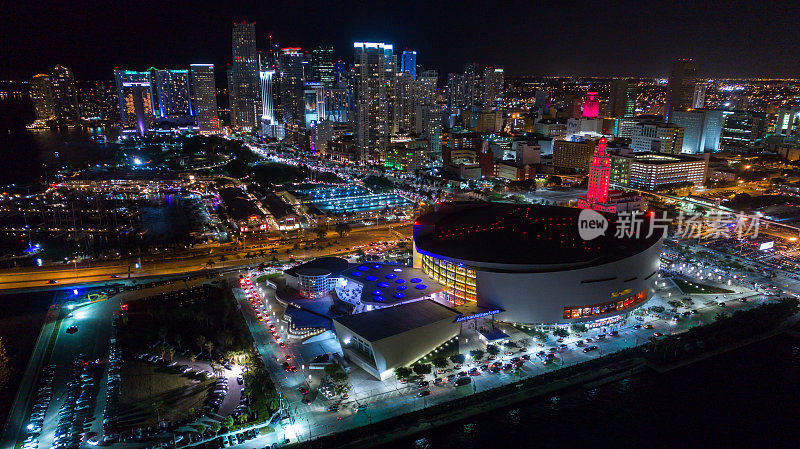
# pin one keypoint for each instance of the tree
(209, 346)
(579, 328)
(321, 230)
(200, 340)
(402, 372)
(674, 303)
(440, 362)
(421, 368)
(492, 349)
(215, 427)
(458, 359)
(228, 422)
(343, 229)
(158, 407)
(170, 353)
(553, 179)
(476, 354)
(561, 332)
(210, 263)
(192, 358)
(243, 418)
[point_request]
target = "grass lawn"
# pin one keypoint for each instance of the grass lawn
(695, 288)
(144, 385)
(450, 349)
(265, 277)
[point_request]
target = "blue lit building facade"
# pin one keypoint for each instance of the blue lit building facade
(408, 63)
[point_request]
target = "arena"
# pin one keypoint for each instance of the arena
(528, 263)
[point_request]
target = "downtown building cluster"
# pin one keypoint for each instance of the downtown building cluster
(379, 106)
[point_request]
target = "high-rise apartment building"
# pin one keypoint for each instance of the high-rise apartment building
(204, 95)
(680, 90)
(65, 96)
(374, 73)
(465, 90)
(170, 91)
(245, 77)
(42, 97)
(408, 63)
(292, 87)
(97, 101)
(493, 84)
(135, 100)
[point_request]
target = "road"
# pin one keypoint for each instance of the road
(31, 277)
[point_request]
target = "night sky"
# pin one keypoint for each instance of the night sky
(526, 38)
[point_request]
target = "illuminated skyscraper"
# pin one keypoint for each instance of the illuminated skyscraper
(680, 90)
(375, 67)
(269, 126)
(591, 105)
(323, 65)
(170, 90)
(408, 63)
(135, 100)
(599, 174)
(65, 96)
(292, 70)
(493, 82)
(623, 98)
(598, 196)
(245, 77)
(204, 95)
(701, 129)
(42, 96)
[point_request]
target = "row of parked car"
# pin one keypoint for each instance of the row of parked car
(111, 412)
(44, 393)
(78, 406)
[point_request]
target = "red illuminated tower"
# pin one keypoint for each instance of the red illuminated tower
(599, 175)
(591, 105)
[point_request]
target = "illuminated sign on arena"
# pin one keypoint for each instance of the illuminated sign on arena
(476, 315)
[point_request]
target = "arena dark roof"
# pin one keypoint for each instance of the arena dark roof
(517, 234)
(388, 321)
(334, 265)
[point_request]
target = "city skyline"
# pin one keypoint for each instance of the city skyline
(573, 40)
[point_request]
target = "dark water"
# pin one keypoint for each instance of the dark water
(29, 156)
(21, 319)
(747, 398)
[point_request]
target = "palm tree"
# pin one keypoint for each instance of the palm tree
(171, 353)
(243, 418)
(209, 345)
(200, 340)
(192, 357)
(158, 407)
